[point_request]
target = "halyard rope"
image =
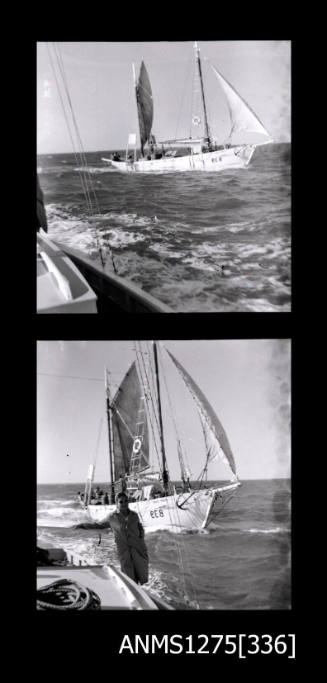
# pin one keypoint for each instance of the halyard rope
(67, 595)
(86, 180)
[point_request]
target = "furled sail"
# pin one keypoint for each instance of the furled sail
(130, 428)
(215, 436)
(242, 116)
(144, 105)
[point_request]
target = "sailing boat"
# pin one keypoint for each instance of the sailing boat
(200, 153)
(139, 461)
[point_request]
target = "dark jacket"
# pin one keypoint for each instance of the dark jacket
(132, 551)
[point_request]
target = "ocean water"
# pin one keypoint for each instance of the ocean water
(171, 233)
(241, 562)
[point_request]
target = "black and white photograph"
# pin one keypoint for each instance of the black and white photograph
(164, 475)
(164, 176)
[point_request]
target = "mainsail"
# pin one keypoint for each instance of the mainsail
(130, 429)
(242, 116)
(215, 436)
(144, 105)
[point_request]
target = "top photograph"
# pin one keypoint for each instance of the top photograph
(164, 177)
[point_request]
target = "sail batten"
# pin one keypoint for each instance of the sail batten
(242, 116)
(144, 105)
(217, 443)
(130, 429)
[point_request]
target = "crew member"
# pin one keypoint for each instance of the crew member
(129, 538)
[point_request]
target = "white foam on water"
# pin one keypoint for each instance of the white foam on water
(122, 238)
(239, 227)
(94, 169)
(64, 517)
(165, 250)
(46, 504)
(274, 530)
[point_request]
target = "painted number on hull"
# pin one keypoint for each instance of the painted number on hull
(157, 513)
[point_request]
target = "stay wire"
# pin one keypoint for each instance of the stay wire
(179, 541)
(82, 160)
(85, 176)
(149, 400)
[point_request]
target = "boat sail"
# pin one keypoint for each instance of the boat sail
(138, 457)
(200, 153)
(144, 105)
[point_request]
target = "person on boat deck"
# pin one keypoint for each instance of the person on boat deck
(129, 537)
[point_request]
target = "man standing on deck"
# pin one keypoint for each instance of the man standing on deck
(129, 538)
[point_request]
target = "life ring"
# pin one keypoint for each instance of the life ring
(137, 445)
(196, 120)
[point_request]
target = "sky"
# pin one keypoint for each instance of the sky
(100, 83)
(247, 382)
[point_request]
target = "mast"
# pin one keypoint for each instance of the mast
(111, 450)
(206, 125)
(165, 475)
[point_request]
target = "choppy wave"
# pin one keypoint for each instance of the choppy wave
(242, 561)
(171, 234)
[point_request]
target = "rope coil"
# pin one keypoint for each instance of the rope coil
(66, 595)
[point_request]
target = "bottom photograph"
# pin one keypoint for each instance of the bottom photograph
(164, 475)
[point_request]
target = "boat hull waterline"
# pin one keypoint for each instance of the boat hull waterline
(192, 510)
(219, 160)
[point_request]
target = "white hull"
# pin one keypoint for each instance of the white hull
(220, 160)
(195, 513)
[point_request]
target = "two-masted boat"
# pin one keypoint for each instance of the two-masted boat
(199, 153)
(140, 463)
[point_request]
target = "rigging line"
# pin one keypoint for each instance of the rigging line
(179, 542)
(82, 160)
(182, 465)
(77, 161)
(146, 385)
(213, 514)
(153, 392)
(149, 400)
(183, 95)
(175, 517)
(123, 421)
(87, 175)
(193, 97)
(86, 194)
(145, 389)
(185, 461)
